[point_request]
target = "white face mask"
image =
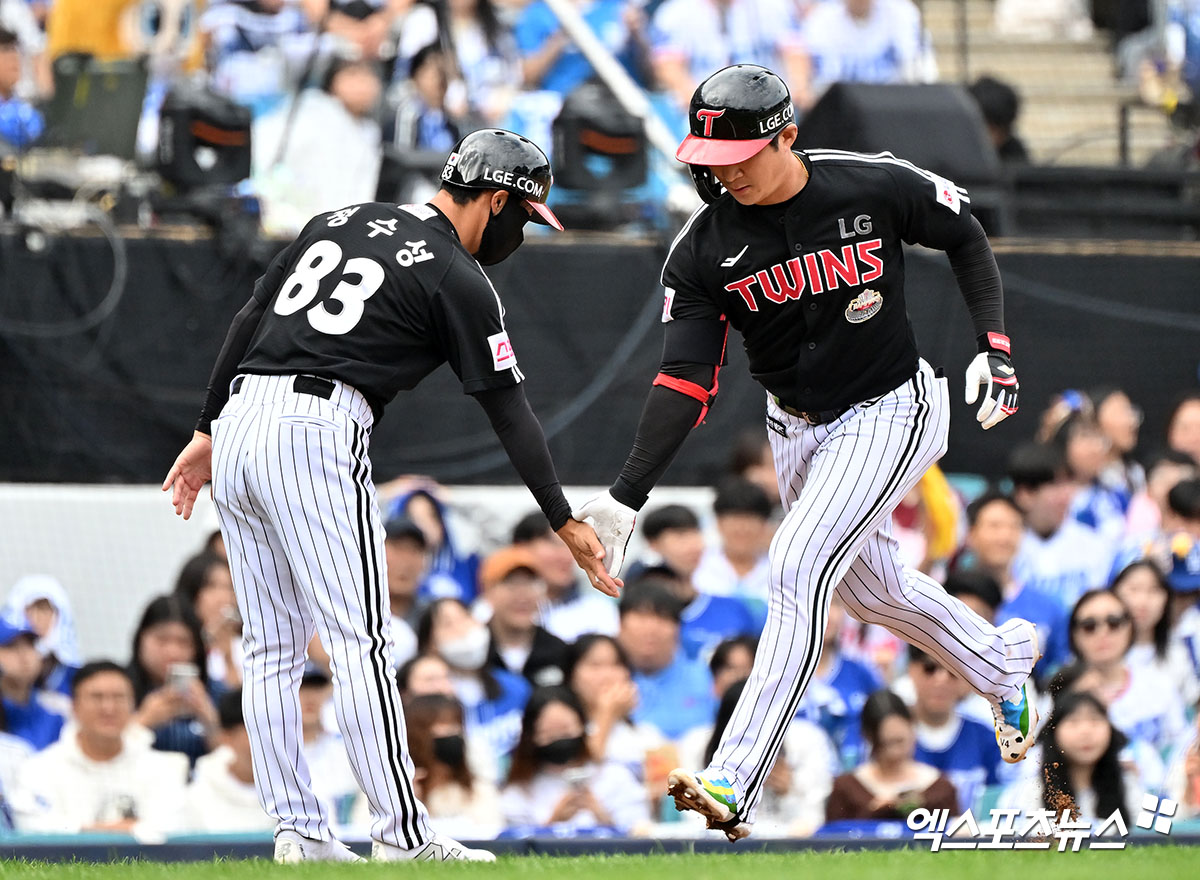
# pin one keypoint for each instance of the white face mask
(467, 652)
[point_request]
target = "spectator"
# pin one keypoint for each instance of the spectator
(452, 569)
(324, 154)
(1144, 589)
(41, 600)
(550, 61)
(102, 775)
(693, 38)
(962, 748)
(14, 752)
(750, 458)
(360, 27)
(328, 764)
(1183, 425)
(892, 783)
(1058, 555)
(422, 119)
(221, 796)
(1000, 105)
(1088, 453)
(1182, 565)
(739, 567)
(865, 41)
(570, 610)
(1080, 766)
(794, 794)
(462, 804)
(673, 535)
(424, 674)
(992, 544)
(514, 588)
(27, 713)
(20, 123)
(731, 662)
(484, 68)
(1144, 520)
(1120, 421)
(1042, 20)
(837, 691)
(256, 49)
(35, 79)
(170, 679)
(1183, 774)
(1136, 698)
(493, 698)
(675, 692)
(555, 782)
(407, 558)
(205, 584)
(600, 675)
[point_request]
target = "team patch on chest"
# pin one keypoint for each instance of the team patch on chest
(864, 306)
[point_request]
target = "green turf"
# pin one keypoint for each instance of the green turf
(1160, 862)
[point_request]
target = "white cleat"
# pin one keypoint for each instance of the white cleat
(1016, 722)
(439, 849)
(291, 848)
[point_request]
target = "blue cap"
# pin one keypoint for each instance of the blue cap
(10, 631)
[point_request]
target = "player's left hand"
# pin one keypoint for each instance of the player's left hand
(993, 372)
(613, 522)
(589, 555)
(191, 470)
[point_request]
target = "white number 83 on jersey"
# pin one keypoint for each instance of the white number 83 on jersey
(320, 260)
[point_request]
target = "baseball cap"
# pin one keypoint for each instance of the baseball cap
(504, 562)
(403, 527)
(11, 631)
(734, 114)
(493, 158)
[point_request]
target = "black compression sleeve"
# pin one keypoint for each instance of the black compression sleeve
(667, 418)
(237, 340)
(978, 277)
(521, 435)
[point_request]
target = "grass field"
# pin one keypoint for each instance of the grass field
(1158, 862)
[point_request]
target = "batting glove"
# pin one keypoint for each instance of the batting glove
(613, 522)
(993, 372)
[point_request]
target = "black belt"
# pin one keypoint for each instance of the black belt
(313, 385)
(821, 417)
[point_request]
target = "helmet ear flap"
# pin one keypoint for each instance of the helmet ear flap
(706, 183)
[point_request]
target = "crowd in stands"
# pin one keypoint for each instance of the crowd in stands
(535, 704)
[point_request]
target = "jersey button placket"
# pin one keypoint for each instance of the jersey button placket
(811, 346)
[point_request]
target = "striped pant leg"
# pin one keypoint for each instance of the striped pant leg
(850, 476)
(333, 534)
(277, 626)
(880, 589)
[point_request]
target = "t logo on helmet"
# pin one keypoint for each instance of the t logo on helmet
(708, 116)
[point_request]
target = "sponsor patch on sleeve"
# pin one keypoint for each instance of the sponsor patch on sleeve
(503, 355)
(947, 193)
(667, 300)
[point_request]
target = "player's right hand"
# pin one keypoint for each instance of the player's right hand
(191, 470)
(613, 522)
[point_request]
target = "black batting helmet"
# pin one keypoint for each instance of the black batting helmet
(493, 158)
(734, 114)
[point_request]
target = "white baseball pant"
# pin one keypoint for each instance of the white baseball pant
(840, 483)
(297, 507)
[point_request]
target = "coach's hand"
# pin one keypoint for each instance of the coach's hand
(613, 522)
(192, 469)
(993, 372)
(589, 555)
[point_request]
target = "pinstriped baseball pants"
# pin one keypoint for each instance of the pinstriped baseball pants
(292, 485)
(840, 483)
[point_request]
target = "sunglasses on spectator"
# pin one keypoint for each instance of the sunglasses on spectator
(1114, 622)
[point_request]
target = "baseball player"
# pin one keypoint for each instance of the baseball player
(366, 302)
(800, 251)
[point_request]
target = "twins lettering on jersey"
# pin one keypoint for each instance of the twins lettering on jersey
(819, 272)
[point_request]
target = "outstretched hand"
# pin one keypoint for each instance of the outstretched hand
(589, 555)
(191, 470)
(613, 522)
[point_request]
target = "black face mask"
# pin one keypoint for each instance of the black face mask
(504, 232)
(561, 751)
(450, 750)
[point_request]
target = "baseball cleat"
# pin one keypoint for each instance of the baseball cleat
(712, 798)
(1016, 722)
(440, 848)
(292, 848)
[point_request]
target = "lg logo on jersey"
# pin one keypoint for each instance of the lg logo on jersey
(862, 226)
(825, 270)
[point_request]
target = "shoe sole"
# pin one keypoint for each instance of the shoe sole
(689, 794)
(1021, 750)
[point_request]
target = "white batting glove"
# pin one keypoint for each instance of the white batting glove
(993, 373)
(613, 522)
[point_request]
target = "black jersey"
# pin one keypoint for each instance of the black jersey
(378, 296)
(815, 285)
